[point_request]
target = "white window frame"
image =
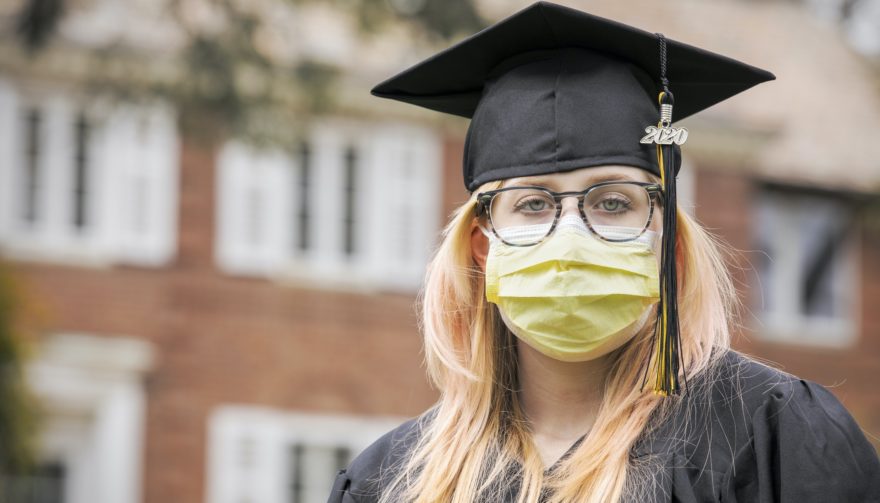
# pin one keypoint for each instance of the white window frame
(686, 187)
(142, 156)
(244, 172)
(249, 448)
(91, 391)
(381, 193)
(124, 142)
(785, 323)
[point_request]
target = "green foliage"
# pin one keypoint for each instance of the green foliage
(225, 77)
(316, 80)
(448, 18)
(225, 82)
(232, 87)
(37, 20)
(442, 19)
(18, 411)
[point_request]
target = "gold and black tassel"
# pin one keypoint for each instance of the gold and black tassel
(667, 357)
(667, 337)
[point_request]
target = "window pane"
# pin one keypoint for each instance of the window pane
(45, 484)
(303, 216)
(349, 201)
(767, 223)
(140, 203)
(81, 176)
(824, 226)
(31, 172)
(255, 217)
(406, 211)
(314, 468)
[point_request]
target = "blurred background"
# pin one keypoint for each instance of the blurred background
(212, 236)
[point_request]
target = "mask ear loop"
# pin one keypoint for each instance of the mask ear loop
(668, 362)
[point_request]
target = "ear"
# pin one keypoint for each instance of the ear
(479, 246)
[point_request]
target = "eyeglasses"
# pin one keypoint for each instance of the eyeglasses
(613, 211)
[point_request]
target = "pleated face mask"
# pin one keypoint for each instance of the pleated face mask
(573, 296)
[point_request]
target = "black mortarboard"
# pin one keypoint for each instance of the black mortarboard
(552, 89)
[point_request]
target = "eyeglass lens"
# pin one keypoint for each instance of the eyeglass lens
(616, 212)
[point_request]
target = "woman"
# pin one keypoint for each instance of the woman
(576, 323)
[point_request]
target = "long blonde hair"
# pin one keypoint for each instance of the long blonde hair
(475, 443)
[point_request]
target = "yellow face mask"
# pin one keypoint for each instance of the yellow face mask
(573, 296)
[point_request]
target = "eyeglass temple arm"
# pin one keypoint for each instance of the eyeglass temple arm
(482, 204)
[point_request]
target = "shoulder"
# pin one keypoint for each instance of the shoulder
(744, 390)
(376, 465)
(746, 386)
(385, 453)
(766, 395)
(798, 441)
(717, 407)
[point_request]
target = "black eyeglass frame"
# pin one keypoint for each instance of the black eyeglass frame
(484, 203)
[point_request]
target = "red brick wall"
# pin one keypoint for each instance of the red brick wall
(454, 192)
(197, 199)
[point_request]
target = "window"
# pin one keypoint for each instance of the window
(90, 392)
(302, 191)
(31, 165)
(253, 209)
(86, 182)
(685, 187)
(277, 456)
(52, 173)
(44, 484)
(806, 267)
(139, 162)
(314, 468)
(409, 186)
(81, 161)
(353, 205)
(349, 200)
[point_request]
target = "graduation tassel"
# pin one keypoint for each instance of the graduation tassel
(667, 357)
(667, 337)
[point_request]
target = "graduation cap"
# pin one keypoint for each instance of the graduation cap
(553, 89)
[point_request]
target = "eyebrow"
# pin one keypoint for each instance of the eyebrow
(549, 182)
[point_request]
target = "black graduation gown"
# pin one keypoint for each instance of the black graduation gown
(763, 436)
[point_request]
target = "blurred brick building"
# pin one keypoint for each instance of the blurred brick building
(225, 322)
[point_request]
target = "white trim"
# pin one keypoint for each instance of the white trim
(91, 391)
(143, 148)
(9, 140)
(686, 187)
(252, 209)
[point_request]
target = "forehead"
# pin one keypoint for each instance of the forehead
(580, 178)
